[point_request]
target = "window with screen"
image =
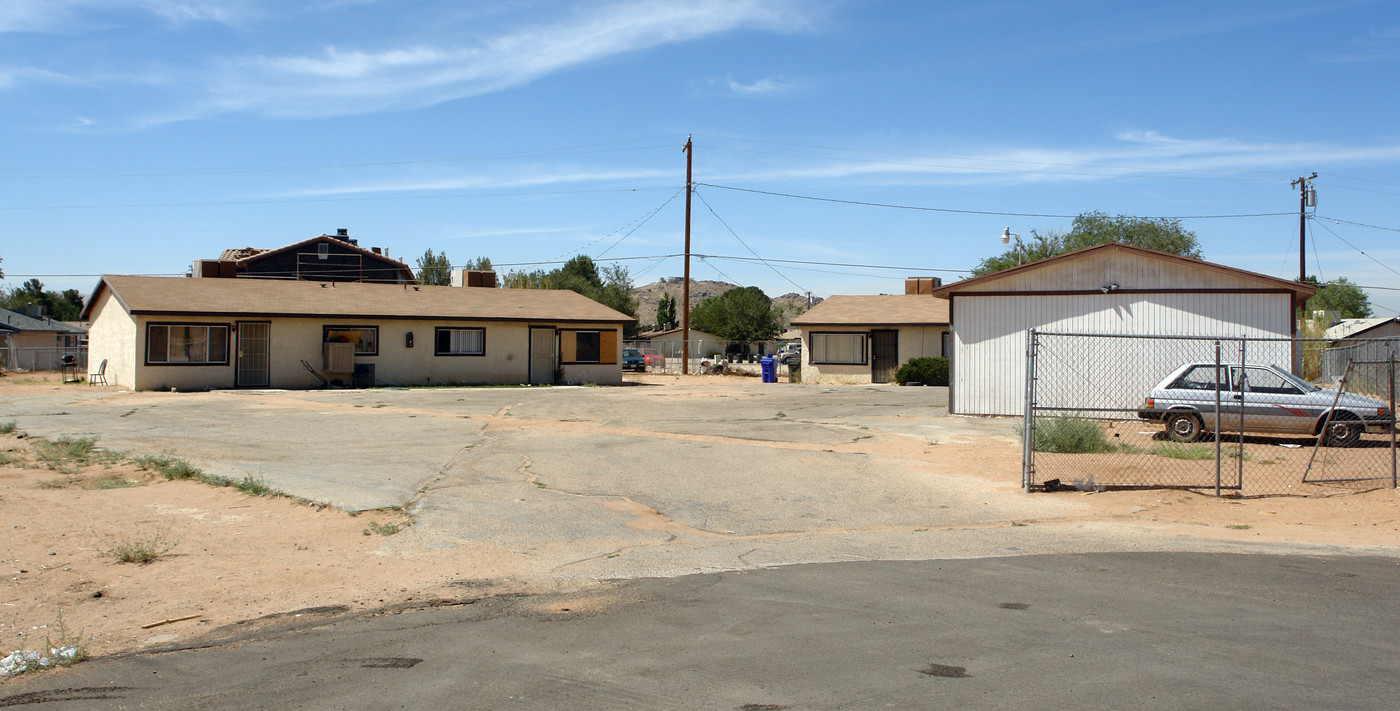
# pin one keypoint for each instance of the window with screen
(460, 342)
(186, 344)
(839, 348)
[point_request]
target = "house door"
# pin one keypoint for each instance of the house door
(542, 355)
(252, 365)
(884, 355)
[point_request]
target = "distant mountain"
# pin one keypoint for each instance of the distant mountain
(648, 296)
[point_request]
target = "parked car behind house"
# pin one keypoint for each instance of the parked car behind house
(653, 357)
(632, 360)
(1260, 398)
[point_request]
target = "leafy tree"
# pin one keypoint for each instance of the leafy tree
(480, 264)
(609, 286)
(1341, 295)
(1095, 228)
(434, 269)
(666, 312)
(65, 306)
(742, 314)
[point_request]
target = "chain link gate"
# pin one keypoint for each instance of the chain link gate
(1225, 414)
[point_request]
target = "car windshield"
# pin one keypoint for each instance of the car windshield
(630, 352)
(1306, 386)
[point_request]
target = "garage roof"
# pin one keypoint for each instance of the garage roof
(879, 310)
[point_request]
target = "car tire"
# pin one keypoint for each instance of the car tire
(1183, 427)
(1343, 431)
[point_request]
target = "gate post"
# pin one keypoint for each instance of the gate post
(1028, 426)
(1217, 418)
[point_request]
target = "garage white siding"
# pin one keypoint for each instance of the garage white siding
(989, 361)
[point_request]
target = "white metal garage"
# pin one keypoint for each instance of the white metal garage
(1110, 289)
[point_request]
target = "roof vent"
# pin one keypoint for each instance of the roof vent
(377, 250)
(342, 232)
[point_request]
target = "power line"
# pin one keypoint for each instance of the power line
(979, 212)
(746, 244)
(844, 264)
(1357, 224)
(1358, 249)
(643, 220)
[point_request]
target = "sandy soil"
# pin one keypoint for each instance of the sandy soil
(246, 559)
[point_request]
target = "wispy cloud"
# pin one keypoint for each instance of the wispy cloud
(760, 87)
(523, 178)
(1380, 46)
(66, 16)
(1129, 155)
(339, 80)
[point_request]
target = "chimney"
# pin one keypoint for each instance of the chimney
(473, 278)
(342, 232)
(377, 250)
(922, 285)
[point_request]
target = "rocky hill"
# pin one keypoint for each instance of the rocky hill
(648, 296)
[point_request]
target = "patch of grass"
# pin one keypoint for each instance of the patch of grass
(112, 482)
(7, 458)
(1240, 526)
(1070, 435)
(1194, 452)
(67, 454)
(8, 427)
(386, 529)
(142, 548)
(53, 484)
(780, 415)
(538, 484)
(64, 649)
(255, 485)
(168, 466)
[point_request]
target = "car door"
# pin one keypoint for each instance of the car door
(1195, 390)
(1270, 402)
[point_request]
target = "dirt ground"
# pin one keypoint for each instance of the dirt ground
(250, 559)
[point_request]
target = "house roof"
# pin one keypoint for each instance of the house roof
(881, 310)
(247, 254)
(1354, 327)
(982, 283)
(15, 322)
(240, 298)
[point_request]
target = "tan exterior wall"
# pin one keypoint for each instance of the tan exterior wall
(914, 342)
(292, 340)
(112, 337)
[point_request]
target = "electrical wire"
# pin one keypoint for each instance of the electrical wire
(1358, 249)
(643, 220)
(746, 244)
(979, 212)
(1356, 224)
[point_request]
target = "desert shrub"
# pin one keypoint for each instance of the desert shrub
(7, 427)
(929, 371)
(1069, 435)
(168, 466)
(142, 548)
(67, 454)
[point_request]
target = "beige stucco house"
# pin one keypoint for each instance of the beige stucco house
(168, 332)
(864, 339)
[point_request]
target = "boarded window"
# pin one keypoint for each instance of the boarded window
(460, 341)
(588, 346)
(848, 348)
(186, 344)
(365, 338)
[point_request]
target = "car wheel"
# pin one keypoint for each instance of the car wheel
(1183, 427)
(1342, 431)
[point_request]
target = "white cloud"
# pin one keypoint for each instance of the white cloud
(340, 80)
(765, 86)
(539, 177)
(64, 16)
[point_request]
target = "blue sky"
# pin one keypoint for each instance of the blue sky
(139, 135)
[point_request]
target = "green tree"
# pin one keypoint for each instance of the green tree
(742, 314)
(434, 269)
(1094, 228)
(666, 312)
(1341, 295)
(65, 306)
(480, 264)
(609, 286)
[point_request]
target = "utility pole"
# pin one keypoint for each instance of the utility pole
(685, 286)
(1307, 197)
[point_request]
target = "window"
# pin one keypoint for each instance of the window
(323, 251)
(365, 338)
(1201, 377)
(592, 346)
(839, 348)
(1259, 380)
(460, 341)
(186, 344)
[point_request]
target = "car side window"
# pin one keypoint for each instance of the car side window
(1201, 377)
(1261, 380)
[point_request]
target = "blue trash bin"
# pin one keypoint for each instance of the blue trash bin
(770, 369)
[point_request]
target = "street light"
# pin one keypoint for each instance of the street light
(1006, 235)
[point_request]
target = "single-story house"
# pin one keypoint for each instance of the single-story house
(1106, 289)
(1364, 328)
(864, 339)
(165, 332)
(320, 258)
(33, 341)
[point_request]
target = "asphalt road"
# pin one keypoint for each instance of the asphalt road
(1102, 631)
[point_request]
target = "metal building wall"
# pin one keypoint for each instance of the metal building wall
(989, 360)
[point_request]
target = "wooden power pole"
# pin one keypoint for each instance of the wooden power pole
(1305, 197)
(685, 286)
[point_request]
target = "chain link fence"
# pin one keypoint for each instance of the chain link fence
(32, 359)
(1249, 416)
(730, 356)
